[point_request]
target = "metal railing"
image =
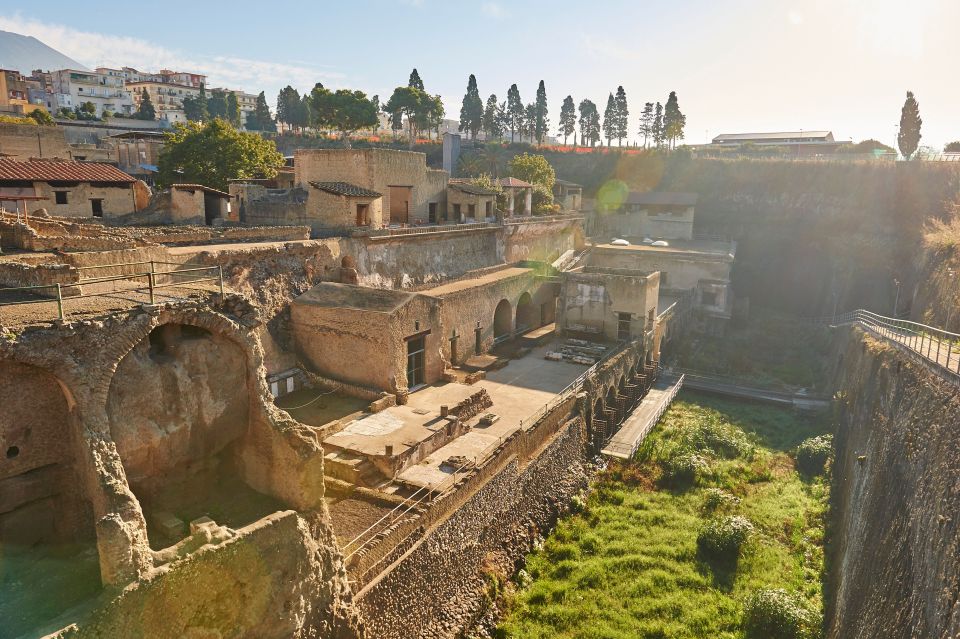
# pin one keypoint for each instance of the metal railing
(155, 280)
(426, 229)
(933, 346)
(626, 450)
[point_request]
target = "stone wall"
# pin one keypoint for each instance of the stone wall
(117, 199)
(437, 587)
(541, 241)
(894, 534)
(24, 141)
(593, 301)
(14, 275)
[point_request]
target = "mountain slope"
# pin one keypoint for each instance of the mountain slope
(26, 53)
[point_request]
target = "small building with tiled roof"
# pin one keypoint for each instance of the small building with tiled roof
(569, 195)
(199, 204)
(468, 202)
(70, 189)
(344, 205)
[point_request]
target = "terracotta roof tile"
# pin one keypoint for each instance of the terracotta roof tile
(345, 188)
(508, 182)
(59, 170)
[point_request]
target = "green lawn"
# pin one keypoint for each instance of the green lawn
(628, 565)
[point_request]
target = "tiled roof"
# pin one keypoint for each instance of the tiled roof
(199, 187)
(568, 183)
(472, 189)
(662, 198)
(508, 182)
(61, 171)
(345, 188)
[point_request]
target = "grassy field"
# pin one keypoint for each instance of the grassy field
(770, 349)
(628, 565)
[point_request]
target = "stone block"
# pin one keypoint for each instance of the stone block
(169, 525)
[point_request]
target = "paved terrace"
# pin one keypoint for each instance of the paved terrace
(518, 391)
(704, 249)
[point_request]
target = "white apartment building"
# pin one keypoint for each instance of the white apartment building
(107, 92)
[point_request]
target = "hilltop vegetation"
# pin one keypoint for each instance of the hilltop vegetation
(709, 532)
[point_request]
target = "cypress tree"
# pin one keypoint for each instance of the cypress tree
(610, 119)
(541, 123)
(471, 112)
(568, 118)
(908, 139)
(623, 115)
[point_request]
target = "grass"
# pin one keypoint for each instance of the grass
(627, 566)
(770, 349)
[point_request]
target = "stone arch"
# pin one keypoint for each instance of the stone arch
(502, 319)
(526, 312)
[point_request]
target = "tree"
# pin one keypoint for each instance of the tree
(909, 136)
(589, 123)
(646, 122)
(515, 110)
(673, 121)
(530, 122)
(41, 117)
(471, 113)
(492, 126)
(292, 110)
(415, 82)
(345, 111)
(260, 119)
(217, 105)
(214, 153)
(406, 103)
(656, 131)
(568, 118)
(623, 116)
(195, 106)
(610, 119)
(534, 169)
(145, 111)
(541, 123)
(233, 109)
(951, 147)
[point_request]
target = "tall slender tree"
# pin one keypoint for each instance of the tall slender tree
(530, 121)
(610, 119)
(260, 119)
(217, 104)
(491, 119)
(568, 119)
(146, 110)
(908, 139)
(515, 110)
(646, 122)
(623, 115)
(288, 104)
(471, 112)
(541, 121)
(673, 121)
(589, 123)
(656, 131)
(415, 82)
(233, 109)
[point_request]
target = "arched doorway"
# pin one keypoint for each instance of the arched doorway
(526, 316)
(502, 320)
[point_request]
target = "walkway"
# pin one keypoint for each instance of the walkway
(732, 387)
(643, 418)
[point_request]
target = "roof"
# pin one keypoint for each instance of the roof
(61, 171)
(199, 187)
(472, 189)
(512, 182)
(139, 134)
(345, 188)
(662, 198)
(567, 183)
(360, 298)
(776, 135)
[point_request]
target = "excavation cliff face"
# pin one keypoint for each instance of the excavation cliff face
(894, 539)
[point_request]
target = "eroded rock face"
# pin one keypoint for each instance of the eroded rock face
(178, 397)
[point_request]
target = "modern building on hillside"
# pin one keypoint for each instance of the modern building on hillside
(69, 189)
(107, 93)
(246, 101)
(797, 142)
(14, 93)
(167, 98)
(659, 215)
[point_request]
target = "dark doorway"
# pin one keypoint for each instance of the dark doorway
(525, 313)
(502, 320)
(623, 326)
(363, 214)
(416, 350)
(96, 205)
(432, 212)
(400, 197)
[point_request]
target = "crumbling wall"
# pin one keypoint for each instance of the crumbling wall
(25, 141)
(437, 587)
(541, 241)
(894, 531)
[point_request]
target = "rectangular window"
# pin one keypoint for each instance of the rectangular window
(432, 208)
(456, 212)
(416, 350)
(96, 206)
(363, 214)
(489, 209)
(708, 298)
(471, 210)
(60, 197)
(623, 326)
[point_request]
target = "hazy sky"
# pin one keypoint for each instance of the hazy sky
(737, 65)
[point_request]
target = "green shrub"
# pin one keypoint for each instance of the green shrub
(778, 614)
(720, 438)
(715, 499)
(724, 538)
(813, 454)
(684, 468)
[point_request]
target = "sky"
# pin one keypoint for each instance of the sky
(736, 65)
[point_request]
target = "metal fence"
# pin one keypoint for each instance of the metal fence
(150, 282)
(935, 347)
